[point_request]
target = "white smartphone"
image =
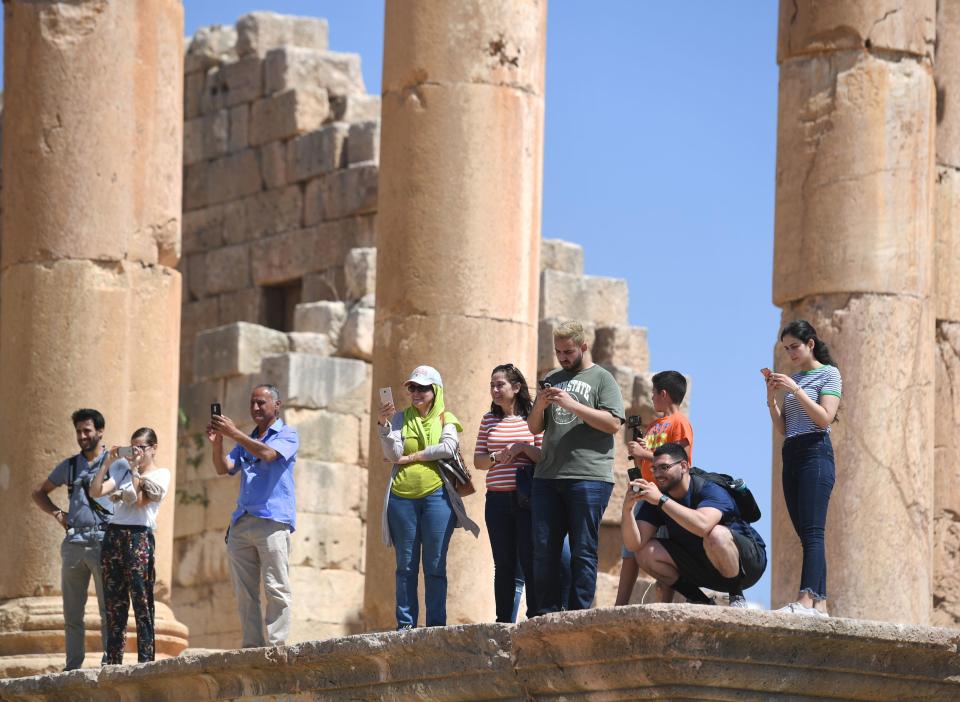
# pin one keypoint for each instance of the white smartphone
(386, 396)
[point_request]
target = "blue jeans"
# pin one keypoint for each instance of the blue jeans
(560, 508)
(502, 516)
(425, 524)
(808, 477)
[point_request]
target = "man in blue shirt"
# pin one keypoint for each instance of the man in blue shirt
(83, 523)
(709, 545)
(258, 539)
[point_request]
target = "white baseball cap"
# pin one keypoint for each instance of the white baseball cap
(425, 375)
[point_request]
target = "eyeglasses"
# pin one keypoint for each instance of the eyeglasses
(664, 467)
(413, 387)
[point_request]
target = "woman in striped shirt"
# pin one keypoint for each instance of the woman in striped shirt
(808, 407)
(505, 447)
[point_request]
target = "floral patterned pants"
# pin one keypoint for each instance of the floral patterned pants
(126, 559)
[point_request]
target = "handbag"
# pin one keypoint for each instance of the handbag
(456, 471)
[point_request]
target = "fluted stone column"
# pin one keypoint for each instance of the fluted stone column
(458, 238)
(854, 255)
(89, 292)
(946, 564)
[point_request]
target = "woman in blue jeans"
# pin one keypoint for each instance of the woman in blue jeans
(421, 507)
(802, 408)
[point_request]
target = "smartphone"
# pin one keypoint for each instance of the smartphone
(543, 384)
(766, 372)
(634, 474)
(125, 452)
(386, 396)
(215, 410)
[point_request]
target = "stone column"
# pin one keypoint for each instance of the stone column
(854, 255)
(89, 292)
(946, 564)
(458, 238)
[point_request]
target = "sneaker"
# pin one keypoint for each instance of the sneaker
(738, 602)
(797, 608)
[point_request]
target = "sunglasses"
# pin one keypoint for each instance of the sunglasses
(413, 387)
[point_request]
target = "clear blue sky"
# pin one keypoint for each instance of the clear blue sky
(659, 160)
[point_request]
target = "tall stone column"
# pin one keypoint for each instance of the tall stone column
(458, 238)
(854, 255)
(946, 563)
(89, 292)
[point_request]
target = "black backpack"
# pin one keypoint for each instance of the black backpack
(735, 487)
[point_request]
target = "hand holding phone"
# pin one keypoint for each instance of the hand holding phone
(386, 396)
(766, 372)
(215, 410)
(125, 452)
(634, 474)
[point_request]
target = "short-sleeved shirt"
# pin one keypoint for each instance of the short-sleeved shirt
(711, 495)
(79, 514)
(497, 433)
(673, 427)
(572, 449)
(816, 382)
(266, 487)
(127, 512)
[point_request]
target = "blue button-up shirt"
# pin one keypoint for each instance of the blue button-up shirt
(266, 488)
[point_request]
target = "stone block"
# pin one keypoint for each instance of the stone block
(327, 595)
(288, 114)
(325, 285)
(201, 558)
(343, 193)
(327, 541)
(245, 305)
(327, 436)
(227, 269)
(232, 84)
(360, 271)
(328, 488)
(239, 135)
(286, 257)
(235, 349)
(221, 492)
(210, 46)
(355, 108)
(947, 252)
(202, 229)
(621, 345)
(946, 488)
(205, 137)
(189, 508)
(193, 84)
(296, 68)
(320, 317)
(259, 32)
(263, 214)
(559, 255)
(356, 339)
(946, 74)
(236, 398)
(587, 299)
(273, 164)
(318, 152)
(546, 355)
(315, 382)
(194, 276)
(363, 142)
(195, 400)
(228, 178)
(310, 342)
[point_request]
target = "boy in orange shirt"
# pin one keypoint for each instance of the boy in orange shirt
(669, 389)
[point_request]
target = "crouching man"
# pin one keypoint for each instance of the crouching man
(708, 544)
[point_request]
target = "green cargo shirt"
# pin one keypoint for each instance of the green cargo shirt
(572, 449)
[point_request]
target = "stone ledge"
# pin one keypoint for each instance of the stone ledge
(637, 652)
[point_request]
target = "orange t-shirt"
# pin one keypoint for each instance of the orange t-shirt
(673, 427)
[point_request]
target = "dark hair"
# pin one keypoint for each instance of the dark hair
(521, 401)
(145, 432)
(672, 449)
(804, 331)
(673, 382)
(84, 415)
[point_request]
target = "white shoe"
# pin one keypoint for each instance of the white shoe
(738, 602)
(797, 608)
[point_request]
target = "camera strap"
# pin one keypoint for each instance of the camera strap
(99, 511)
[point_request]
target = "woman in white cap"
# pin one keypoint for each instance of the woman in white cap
(421, 506)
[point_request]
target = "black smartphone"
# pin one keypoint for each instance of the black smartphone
(215, 410)
(634, 474)
(543, 384)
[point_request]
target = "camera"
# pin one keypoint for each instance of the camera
(635, 424)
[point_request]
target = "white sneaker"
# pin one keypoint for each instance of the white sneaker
(797, 608)
(738, 602)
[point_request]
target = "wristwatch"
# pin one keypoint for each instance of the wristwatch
(663, 500)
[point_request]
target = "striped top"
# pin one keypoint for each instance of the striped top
(497, 434)
(824, 380)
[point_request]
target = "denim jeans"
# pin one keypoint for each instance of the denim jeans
(808, 477)
(502, 516)
(421, 525)
(566, 507)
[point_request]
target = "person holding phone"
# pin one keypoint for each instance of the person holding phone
(136, 485)
(802, 408)
(507, 451)
(421, 506)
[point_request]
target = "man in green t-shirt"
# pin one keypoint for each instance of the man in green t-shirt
(580, 409)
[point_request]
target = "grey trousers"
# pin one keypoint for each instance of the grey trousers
(259, 551)
(78, 563)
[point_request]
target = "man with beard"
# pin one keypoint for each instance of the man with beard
(580, 409)
(258, 539)
(83, 523)
(709, 545)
